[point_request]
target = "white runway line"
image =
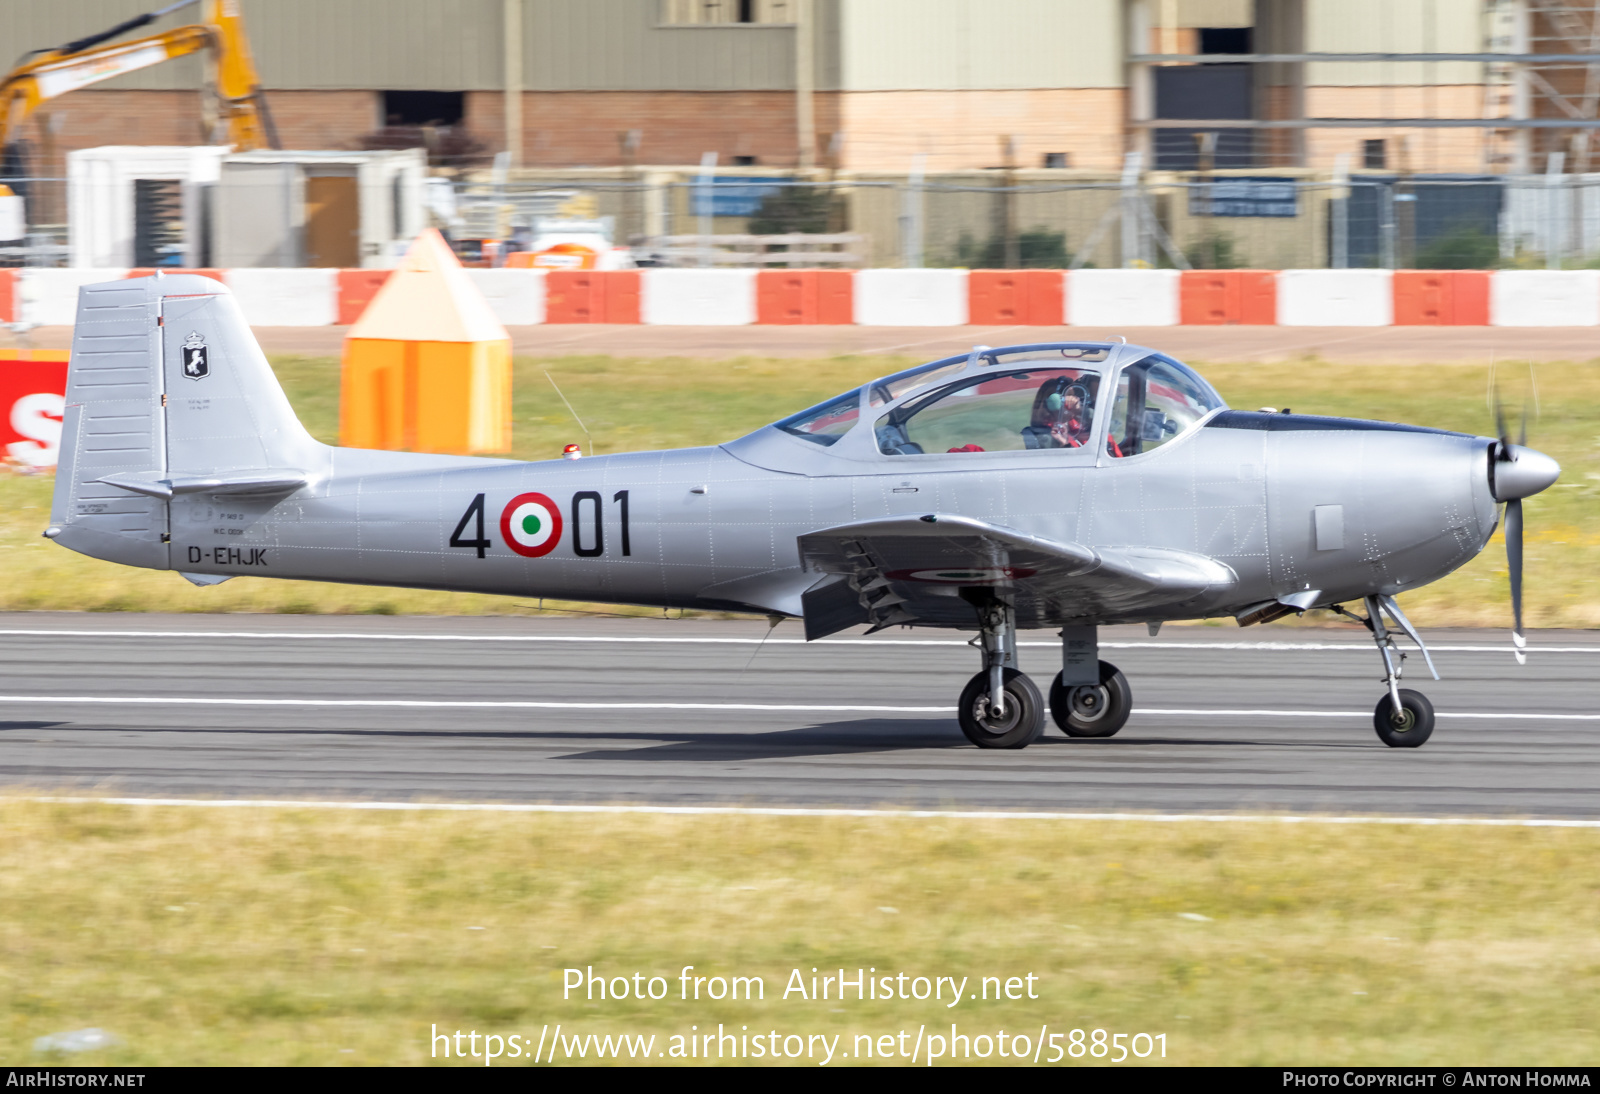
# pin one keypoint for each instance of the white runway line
(460, 704)
(1156, 644)
(800, 811)
(799, 708)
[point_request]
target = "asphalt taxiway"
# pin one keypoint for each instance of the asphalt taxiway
(695, 711)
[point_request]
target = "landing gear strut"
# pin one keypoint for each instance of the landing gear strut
(1403, 718)
(1000, 707)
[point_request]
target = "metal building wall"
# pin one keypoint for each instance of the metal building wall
(1384, 26)
(905, 45)
(621, 45)
(862, 45)
(571, 45)
(422, 45)
(301, 44)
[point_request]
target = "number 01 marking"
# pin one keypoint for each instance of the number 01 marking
(621, 498)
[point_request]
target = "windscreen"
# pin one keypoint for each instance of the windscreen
(1158, 400)
(827, 422)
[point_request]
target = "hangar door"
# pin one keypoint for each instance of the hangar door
(1204, 91)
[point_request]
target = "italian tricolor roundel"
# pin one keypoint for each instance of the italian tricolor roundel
(531, 525)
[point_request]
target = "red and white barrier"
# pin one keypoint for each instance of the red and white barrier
(32, 383)
(1122, 298)
(1335, 298)
(698, 298)
(911, 298)
(1098, 299)
(1028, 298)
(1545, 298)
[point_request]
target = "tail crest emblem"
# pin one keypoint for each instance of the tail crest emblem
(195, 364)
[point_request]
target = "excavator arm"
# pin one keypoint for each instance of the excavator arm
(241, 107)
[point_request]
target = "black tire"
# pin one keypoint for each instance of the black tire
(1098, 712)
(1023, 722)
(1412, 727)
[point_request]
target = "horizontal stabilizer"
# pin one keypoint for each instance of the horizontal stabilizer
(168, 484)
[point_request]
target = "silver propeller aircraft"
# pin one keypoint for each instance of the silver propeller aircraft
(1065, 485)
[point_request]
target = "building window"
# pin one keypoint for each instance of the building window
(1056, 159)
(1225, 39)
(1374, 155)
(744, 161)
(423, 107)
(722, 13)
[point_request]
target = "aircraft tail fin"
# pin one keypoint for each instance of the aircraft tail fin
(167, 392)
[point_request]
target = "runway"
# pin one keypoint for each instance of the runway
(588, 710)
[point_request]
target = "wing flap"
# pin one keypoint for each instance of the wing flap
(925, 568)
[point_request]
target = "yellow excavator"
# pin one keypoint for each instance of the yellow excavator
(236, 109)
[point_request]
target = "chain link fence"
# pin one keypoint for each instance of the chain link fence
(1149, 219)
(989, 219)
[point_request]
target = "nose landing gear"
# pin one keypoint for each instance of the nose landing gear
(1403, 718)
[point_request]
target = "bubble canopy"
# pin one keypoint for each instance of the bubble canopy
(1052, 390)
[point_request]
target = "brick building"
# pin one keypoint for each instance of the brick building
(857, 84)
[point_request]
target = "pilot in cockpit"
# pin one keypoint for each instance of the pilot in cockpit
(1062, 414)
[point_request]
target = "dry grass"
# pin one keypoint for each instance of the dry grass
(630, 405)
(289, 936)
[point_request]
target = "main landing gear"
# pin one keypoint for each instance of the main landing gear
(1403, 718)
(1002, 708)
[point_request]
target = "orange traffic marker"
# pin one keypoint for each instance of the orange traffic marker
(428, 366)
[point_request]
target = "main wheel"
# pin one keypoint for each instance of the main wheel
(1411, 726)
(1090, 710)
(1018, 726)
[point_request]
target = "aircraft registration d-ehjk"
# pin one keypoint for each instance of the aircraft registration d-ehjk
(1064, 486)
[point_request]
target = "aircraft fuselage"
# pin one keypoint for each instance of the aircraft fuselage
(1347, 512)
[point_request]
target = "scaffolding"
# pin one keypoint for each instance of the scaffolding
(1541, 86)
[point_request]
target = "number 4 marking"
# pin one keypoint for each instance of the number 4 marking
(475, 509)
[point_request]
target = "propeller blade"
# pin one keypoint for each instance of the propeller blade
(1522, 434)
(1514, 564)
(1500, 426)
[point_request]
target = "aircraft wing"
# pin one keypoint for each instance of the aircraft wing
(914, 569)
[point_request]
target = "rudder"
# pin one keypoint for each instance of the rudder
(112, 425)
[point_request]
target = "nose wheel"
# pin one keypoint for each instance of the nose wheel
(1092, 710)
(1405, 726)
